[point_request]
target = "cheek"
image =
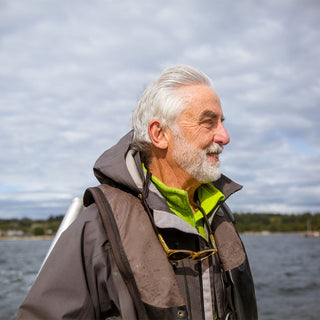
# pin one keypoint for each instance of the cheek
(198, 136)
(191, 133)
(202, 138)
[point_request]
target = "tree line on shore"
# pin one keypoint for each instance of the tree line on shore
(30, 227)
(246, 222)
(258, 222)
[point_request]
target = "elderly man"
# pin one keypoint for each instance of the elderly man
(157, 240)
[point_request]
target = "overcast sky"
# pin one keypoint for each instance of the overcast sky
(71, 73)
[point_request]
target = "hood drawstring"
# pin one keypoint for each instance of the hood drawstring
(145, 190)
(143, 196)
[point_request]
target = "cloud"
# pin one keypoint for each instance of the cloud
(71, 74)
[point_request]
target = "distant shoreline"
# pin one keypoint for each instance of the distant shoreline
(267, 233)
(14, 238)
(249, 233)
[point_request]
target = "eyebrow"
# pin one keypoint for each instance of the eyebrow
(210, 114)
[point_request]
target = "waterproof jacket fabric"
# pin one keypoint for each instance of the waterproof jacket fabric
(81, 280)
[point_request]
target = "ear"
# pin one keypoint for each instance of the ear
(157, 134)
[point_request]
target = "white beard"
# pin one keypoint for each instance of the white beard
(195, 160)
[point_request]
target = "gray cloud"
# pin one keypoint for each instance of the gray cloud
(71, 74)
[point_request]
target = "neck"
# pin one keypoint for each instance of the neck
(173, 176)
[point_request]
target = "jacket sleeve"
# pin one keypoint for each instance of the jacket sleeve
(73, 283)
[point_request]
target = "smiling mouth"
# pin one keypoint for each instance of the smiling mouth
(214, 156)
(214, 151)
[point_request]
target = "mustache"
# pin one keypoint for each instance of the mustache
(214, 148)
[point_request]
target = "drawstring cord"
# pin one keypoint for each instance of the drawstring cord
(143, 196)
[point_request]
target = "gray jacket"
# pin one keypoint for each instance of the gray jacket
(81, 280)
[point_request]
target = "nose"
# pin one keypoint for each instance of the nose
(221, 136)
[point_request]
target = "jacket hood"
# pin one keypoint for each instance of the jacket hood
(111, 166)
(122, 166)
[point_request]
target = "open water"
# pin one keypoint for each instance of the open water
(285, 267)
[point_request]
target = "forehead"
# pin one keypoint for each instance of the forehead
(200, 100)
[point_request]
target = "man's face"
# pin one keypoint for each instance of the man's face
(199, 135)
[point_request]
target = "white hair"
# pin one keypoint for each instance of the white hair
(161, 100)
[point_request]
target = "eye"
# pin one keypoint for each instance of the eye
(209, 123)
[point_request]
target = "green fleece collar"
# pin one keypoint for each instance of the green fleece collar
(178, 202)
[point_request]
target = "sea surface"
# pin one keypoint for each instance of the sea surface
(285, 267)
